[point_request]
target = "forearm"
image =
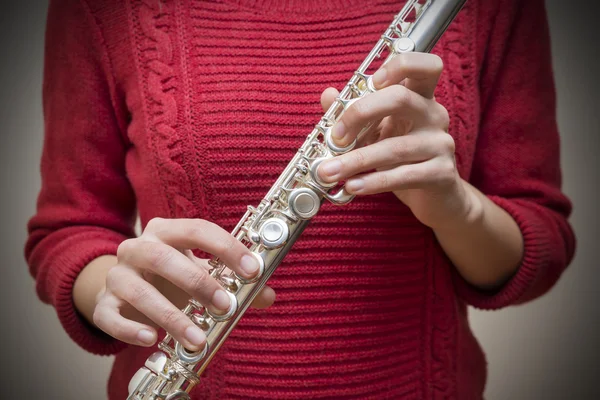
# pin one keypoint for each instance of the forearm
(486, 247)
(89, 283)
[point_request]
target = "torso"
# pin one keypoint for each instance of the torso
(220, 95)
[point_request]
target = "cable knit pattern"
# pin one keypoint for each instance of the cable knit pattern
(216, 96)
(156, 27)
(461, 78)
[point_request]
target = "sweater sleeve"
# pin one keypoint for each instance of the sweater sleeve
(517, 159)
(86, 205)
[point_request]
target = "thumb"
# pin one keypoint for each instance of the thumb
(328, 97)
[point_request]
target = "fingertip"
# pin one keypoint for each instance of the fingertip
(270, 293)
(110, 321)
(249, 266)
(146, 337)
(265, 298)
(328, 97)
(195, 337)
(438, 63)
(379, 78)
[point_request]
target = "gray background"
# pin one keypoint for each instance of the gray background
(544, 350)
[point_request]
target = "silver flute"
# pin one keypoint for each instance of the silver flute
(271, 229)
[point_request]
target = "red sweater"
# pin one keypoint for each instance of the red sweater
(191, 109)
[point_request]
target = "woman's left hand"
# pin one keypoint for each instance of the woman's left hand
(408, 151)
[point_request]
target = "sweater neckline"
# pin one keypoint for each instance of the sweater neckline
(299, 6)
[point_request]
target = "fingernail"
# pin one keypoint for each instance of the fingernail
(220, 300)
(249, 265)
(195, 336)
(339, 131)
(379, 77)
(145, 336)
(331, 168)
(355, 185)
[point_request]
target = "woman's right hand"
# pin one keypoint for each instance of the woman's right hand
(157, 273)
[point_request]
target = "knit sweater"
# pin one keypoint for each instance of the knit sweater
(191, 109)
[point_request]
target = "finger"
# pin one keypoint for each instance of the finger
(328, 97)
(129, 286)
(395, 99)
(387, 152)
(410, 176)
(265, 298)
(108, 319)
(206, 236)
(419, 72)
(373, 135)
(175, 267)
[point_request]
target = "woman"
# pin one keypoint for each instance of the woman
(186, 112)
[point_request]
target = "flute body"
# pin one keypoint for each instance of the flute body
(270, 229)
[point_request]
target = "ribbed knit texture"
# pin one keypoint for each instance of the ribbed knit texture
(193, 109)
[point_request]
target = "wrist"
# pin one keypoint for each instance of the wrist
(485, 245)
(468, 210)
(474, 212)
(90, 283)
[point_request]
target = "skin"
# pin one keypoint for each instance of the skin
(152, 277)
(412, 155)
(407, 152)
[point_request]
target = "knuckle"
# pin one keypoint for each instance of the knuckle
(398, 148)
(442, 117)
(359, 111)
(195, 231)
(137, 294)
(359, 159)
(157, 256)
(382, 180)
(448, 171)
(448, 144)
(199, 280)
(99, 317)
(201, 225)
(198, 229)
(437, 63)
(402, 96)
(155, 224)
(125, 247)
(170, 318)
(114, 277)
(229, 242)
(225, 245)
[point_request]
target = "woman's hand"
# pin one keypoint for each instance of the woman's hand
(157, 273)
(408, 151)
